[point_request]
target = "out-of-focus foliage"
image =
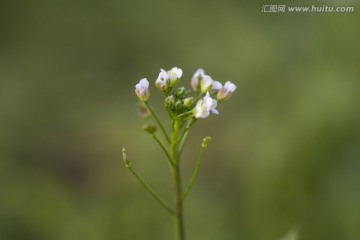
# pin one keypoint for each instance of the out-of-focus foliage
(285, 149)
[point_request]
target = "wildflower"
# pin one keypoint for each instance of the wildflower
(206, 83)
(196, 78)
(216, 85)
(205, 106)
(163, 81)
(225, 92)
(174, 75)
(142, 90)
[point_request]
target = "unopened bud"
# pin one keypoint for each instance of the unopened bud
(169, 101)
(188, 102)
(206, 84)
(142, 90)
(174, 76)
(196, 78)
(225, 92)
(178, 105)
(149, 128)
(180, 92)
(125, 158)
(162, 82)
(205, 141)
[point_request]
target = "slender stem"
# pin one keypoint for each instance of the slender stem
(183, 114)
(158, 122)
(179, 218)
(164, 149)
(185, 135)
(148, 188)
(196, 172)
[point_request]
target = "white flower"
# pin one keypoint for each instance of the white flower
(142, 89)
(162, 82)
(196, 78)
(174, 75)
(206, 83)
(202, 82)
(216, 85)
(205, 106)
(225, 92)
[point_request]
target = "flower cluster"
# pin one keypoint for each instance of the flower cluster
(185, 107)
(200, 103)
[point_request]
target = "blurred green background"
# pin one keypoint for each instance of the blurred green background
(285, 149)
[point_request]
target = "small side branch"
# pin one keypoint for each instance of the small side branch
(197, 169)
(145, 185)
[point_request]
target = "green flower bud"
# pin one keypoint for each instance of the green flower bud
(169, 101)
(180, 92)
(125, 158)
(188, 102)
(149, 128)
(178, 105)
(205, 141)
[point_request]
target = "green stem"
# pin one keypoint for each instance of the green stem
(158, 122)
(164, 149)
(197, 169)
(148, 188)
(183, 114)
(179, 218)
(198, 97)
(185, 135)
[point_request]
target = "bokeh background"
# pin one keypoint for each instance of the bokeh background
(285, 152)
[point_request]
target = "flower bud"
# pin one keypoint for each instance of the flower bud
(163, 81)
(226, 91)
(180, 92)
(178, 105)
(196, 78)
(206, 83)
(169, 101)
(205, 141)
(125, 158)
(174, 75)
(142, 90)
(149, 128)
(188, 102)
